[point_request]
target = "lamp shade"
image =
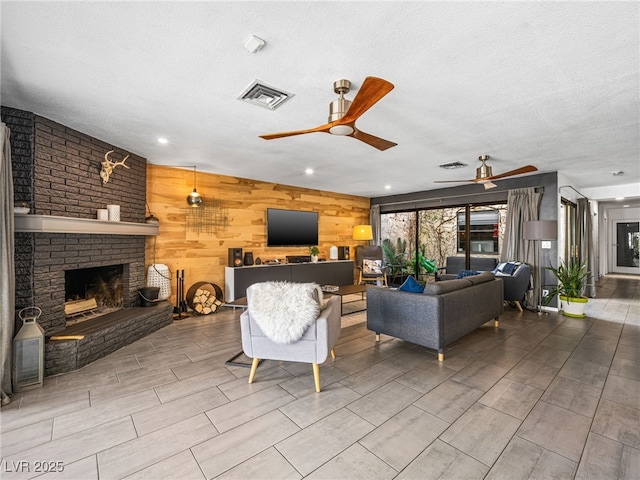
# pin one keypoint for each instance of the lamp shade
(540, 230)
(362, 232)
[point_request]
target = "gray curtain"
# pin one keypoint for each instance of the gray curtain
(374, 218)
(7, 272)
(523, 204)
(584, 235)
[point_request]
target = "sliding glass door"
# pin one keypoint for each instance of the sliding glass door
(416, 240)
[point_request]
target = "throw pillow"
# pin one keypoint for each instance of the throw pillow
(506, 269)
(371, 266)
(467, 273)
(509, 268)
(411, 285)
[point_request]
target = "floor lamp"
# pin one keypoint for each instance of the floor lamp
(538, 230)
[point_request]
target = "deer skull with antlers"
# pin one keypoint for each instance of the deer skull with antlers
(108, 165)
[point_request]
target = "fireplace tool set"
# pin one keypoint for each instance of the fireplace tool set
(180, 309)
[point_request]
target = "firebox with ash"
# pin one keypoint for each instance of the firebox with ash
(91, 292)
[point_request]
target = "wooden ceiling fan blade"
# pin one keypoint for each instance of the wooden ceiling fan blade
(454, 181)
(371, 91)
(376, 142)
(321, 128)
(517, 171)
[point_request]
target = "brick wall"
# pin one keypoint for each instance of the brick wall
(57, 170)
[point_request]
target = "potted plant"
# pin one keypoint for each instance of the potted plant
(395, 260)
(572, 280)
(314, 252)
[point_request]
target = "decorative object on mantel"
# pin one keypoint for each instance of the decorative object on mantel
(21, 207)
(194, 199)
(314, 252)
(103, 214)
(109, 165)
(114, 213)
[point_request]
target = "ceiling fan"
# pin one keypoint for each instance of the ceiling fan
(484, 174)
(343, 113)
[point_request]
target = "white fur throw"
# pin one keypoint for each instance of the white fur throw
(284, 310)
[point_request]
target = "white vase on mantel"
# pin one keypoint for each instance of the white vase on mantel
(314, 258)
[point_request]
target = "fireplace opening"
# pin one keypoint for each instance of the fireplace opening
(91, 292)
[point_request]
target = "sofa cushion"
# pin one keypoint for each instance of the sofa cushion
(446, 286)
(411, 285)
(467, 273)
(481, 278)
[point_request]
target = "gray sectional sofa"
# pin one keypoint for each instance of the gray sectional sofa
(443, 313)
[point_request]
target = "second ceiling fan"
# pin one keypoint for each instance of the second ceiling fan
(343, 113)
(484, 174)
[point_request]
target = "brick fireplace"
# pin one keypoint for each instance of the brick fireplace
(56, 171)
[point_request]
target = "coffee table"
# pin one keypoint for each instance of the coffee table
(348, 290)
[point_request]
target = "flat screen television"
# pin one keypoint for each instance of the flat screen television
(291, 228)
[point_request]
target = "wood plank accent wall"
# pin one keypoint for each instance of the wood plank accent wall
(203, 257)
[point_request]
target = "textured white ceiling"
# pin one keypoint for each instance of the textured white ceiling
(553, 84)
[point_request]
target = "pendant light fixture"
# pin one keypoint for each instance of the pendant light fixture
(194, 199)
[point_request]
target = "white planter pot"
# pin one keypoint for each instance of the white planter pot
(573, 307)
(314, 258)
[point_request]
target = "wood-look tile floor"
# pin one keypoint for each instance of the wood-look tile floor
(541, 397)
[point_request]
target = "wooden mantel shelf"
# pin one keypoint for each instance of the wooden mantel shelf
(56, 224)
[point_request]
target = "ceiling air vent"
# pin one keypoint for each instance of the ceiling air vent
(450, 166)
(264, 96)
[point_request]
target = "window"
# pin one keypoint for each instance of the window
(409, 237)
(483, 231)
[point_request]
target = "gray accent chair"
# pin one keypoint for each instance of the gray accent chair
(367, 252)
(457, 263)
(314, 346)
(516, 285)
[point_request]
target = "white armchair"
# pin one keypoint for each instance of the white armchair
(285, 321)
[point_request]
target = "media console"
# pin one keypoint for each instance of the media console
(335, 272)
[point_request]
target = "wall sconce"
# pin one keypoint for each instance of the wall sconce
(362, 232)
(194, 199)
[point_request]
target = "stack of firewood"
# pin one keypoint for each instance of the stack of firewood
(205, 302)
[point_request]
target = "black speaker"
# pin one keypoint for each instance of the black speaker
(235, 257)
(343, 253)
(248, 258)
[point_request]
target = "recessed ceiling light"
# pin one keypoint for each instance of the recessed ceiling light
(163, 140)
(619, 198)
(626, 206)
(309, 171)
(387, 187)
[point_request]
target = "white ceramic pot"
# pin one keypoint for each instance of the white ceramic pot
(573, 307)
(314, 258)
